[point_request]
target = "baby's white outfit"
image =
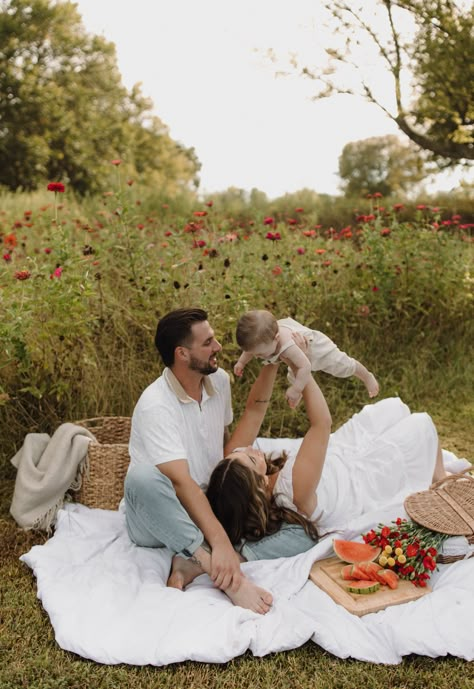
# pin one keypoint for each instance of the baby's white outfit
(322, 353)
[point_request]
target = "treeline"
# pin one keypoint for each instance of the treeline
(64, 112)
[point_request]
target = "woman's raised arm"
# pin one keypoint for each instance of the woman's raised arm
(309, 461)
(256, 406)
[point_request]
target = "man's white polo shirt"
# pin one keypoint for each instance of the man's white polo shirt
(167, 424)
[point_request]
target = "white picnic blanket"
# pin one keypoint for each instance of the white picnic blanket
(107, 601)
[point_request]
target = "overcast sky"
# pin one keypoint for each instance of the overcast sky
(203, 64)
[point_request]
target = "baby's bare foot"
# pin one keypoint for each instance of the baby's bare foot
(183, 572)
(251, 597)
(372, 385)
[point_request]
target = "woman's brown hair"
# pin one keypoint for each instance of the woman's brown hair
(238, 497)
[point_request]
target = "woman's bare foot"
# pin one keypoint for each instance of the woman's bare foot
(183, 572)
(251, 597)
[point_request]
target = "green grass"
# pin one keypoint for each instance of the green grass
(31, 658)
(81, 346)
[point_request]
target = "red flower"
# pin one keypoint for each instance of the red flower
(385, 533)
(274, 236)
(299, 210)
(421, 207)
(377, 195)
(268, 221)
(200, 214)
(130, 182)
(277, 270)
(412, 549)
(57, 187)
(7, 257)
(116, 161)
(375, 288)
(22, 274)
(398, 207)
(385, 232)
(57, 272)
(10, 240)
(209, 204)
(300, 250)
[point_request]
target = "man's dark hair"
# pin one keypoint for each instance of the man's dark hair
(174, 330)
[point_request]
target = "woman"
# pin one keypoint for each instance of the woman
(322, 481)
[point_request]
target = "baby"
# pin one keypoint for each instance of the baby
(260, 335)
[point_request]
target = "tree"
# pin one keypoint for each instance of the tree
(381, 163)
(431, 67)
(64, 112)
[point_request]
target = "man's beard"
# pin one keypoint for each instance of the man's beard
(205, 368)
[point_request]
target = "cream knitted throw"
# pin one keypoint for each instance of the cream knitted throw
(46, 468)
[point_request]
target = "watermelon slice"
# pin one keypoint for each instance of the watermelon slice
(371, 570)
(363, 587)
(346, 573)
(350, 551)
(389, 576)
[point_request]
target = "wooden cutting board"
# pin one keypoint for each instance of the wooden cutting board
(327, 575)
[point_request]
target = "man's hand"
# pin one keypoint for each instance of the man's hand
(225, 567)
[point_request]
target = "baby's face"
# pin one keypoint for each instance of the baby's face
(266, 349)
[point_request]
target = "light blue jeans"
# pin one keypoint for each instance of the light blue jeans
(155, 518)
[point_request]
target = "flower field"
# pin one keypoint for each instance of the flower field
(82, 287)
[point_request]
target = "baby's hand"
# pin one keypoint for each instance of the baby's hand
(293, 395)
(238, 369)
(372, 385)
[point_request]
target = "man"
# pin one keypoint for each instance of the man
(177, 438)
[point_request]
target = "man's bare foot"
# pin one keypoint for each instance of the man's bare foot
(372, 385)
(183, 572)
(251, 597)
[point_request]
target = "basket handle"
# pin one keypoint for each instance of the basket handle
(454, 477)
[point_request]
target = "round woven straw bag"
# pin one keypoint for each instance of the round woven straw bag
(447, 507)
(107, 462)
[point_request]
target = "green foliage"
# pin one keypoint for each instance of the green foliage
(431, 67)
(81, 344)
(81, 289)
(64, 112)
(380, 164)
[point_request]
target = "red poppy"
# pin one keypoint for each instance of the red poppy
(299, 210)
(7, 257)
(116, 161)
(385, 232)
(277, 270)
(274, 236)
(57, 187)
(300, 250)
(320, 251)
(209, 204)
(200, 214)
(268, 221)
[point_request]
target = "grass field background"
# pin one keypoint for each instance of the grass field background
(82, 285)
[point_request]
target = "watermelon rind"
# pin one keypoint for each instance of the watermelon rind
(353, 552)
(363, 587)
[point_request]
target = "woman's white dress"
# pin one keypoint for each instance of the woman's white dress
(381, 455)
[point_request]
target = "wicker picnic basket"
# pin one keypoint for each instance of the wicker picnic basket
(107, 462)
(447, 507)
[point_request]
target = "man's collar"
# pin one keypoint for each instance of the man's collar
(180, 392)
